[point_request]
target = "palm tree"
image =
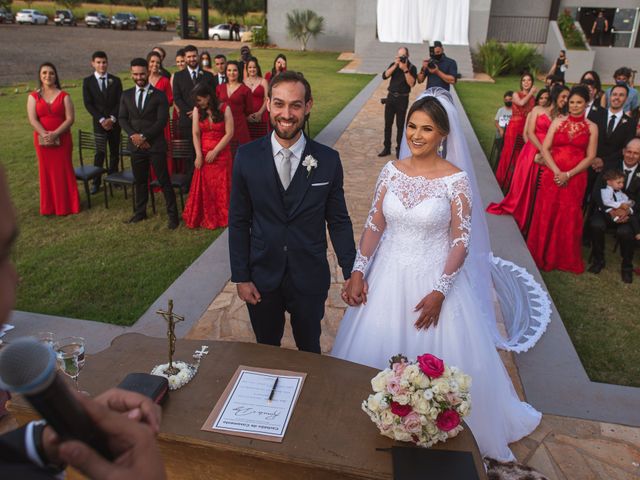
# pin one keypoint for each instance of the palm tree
(304, 24)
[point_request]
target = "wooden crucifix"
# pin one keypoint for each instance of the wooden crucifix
(171, 319)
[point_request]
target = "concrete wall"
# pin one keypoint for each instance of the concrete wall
(608, 60)
(479, 13)
(521, 8)
(366, 24)
(580, 61)
(339, 16)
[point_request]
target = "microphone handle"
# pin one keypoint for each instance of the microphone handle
(67, 416)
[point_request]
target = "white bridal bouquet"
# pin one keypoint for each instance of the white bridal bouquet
(421, 402)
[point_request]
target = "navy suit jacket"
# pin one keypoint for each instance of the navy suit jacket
(14, 461)
(272, 232)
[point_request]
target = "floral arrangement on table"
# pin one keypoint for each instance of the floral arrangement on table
(186, 372)
(421, 402)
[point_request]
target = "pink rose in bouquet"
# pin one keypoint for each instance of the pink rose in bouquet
(431, 365)
(448, 420)
(393, 386)
(412, 423)
(400, 410)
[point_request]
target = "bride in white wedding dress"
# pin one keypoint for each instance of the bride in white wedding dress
(423, 285)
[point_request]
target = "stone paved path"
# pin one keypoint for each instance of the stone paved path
(561, 448)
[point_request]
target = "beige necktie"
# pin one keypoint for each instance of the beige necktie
(285, 167)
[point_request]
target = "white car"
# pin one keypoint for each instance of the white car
(223, 32)
(34, 17)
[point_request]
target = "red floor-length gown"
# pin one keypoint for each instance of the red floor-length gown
(510, 150)
(519, 201)
(208, 204)
(240, 103)
(555, 235)
(58, 187)
(258, 129)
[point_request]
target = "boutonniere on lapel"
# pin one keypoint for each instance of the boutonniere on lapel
(624, 120)
(310, 163)
(638, 175)
(200, 73)
(149, 92)
(110, 81)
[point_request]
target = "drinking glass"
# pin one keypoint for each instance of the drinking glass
(70, 352)
(48, 338)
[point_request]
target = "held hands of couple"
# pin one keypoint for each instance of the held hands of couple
(130, 422)
(248, 293)
(355, 290)
(430, 307)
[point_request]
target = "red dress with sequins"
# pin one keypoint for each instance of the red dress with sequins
(555, 235)
(510, 150)
(208, 204)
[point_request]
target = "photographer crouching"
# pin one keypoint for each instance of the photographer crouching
(439, 70)
(403, 76)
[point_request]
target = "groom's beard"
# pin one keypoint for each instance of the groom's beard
(289, 133)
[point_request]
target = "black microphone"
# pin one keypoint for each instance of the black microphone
(28, 367)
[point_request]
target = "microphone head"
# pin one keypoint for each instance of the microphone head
(27, 366)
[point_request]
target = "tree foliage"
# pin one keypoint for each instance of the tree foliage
(232, 8)
(304, 24)
(70, 4)
(6, 3)
(148, 4)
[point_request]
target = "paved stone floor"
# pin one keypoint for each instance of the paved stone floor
(561, 448)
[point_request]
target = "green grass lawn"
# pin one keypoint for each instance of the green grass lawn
(92, 265)
(599, 311)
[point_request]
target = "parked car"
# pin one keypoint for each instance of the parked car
(65, 17)
(192, 25)
(156, 23)
(96, 19)
(29, 15)
(222, 31)
(124, 21)
(6, 16)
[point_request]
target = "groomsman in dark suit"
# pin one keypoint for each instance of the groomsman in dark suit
(615, 129)
(144, 112)
(183, 83)
(286, 191)
(220, 64)
(101, 94)
(603, 217)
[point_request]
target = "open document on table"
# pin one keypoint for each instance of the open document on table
(257, 403)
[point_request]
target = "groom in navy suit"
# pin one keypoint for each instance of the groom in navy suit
(286, 190)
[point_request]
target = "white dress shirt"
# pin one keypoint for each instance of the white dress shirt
(145, 94)
(612, 199)
(618, 116)
(297, 149)
(197, 70)
(632, 172)
(99, 78)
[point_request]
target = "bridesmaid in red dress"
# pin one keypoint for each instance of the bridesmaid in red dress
(208, 204)
(51, 114)
(238, 96)
(519, 201)
(259, 119)
(523, 103)
(162, 83)
(555, 236)
(279, 66)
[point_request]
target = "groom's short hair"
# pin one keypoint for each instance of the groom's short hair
(291, 77)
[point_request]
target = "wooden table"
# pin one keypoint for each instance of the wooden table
(329, 436)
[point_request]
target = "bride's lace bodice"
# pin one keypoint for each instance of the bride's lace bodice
(420, 222)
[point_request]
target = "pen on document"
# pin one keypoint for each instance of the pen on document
(273, 389)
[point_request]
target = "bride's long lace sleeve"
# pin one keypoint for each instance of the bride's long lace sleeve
(459, 233)
(374, 226)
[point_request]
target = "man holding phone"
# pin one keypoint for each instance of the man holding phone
(438, 70)
(403, 76)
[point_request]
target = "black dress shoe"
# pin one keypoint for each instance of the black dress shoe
(95, 189)
(136, 218)
(596, 267)
(385, 153)
(627, 276)
(173, 223)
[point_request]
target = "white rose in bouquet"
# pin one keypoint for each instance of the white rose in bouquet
(379, 382)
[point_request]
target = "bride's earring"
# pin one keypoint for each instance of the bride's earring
(441, 147)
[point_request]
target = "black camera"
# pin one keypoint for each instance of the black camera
(383, 101)
(403, 59)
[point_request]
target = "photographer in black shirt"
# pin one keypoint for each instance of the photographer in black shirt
(403, 76)
(439, 70)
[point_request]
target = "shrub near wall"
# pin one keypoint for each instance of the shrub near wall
(495, 59)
